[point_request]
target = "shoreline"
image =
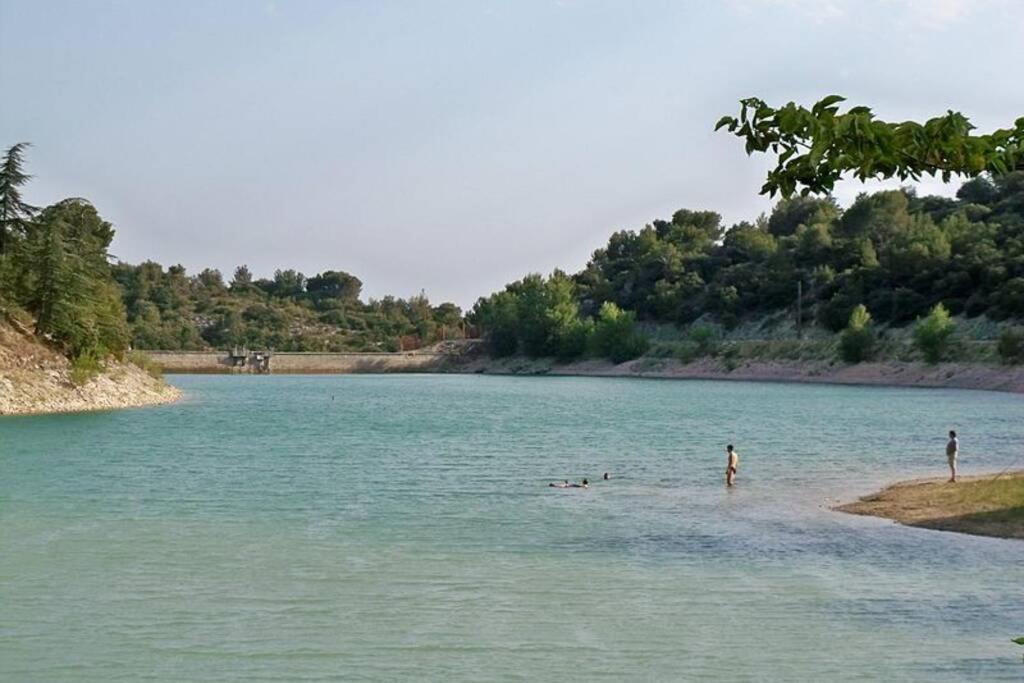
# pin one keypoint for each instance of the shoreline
(972, 376)
(989, 505)
(964, 376)
(119, 386)
(36, 379)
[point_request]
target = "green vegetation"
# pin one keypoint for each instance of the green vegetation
(904, 257)
(537, 316)
(54, 265)
(84, 367)
(857, 341)
(987, 506)
(1011, 345)
(142, 360)
(615, 335)
(705, 338)
(933, 334)
(55, 270)
(168, 309)
(894, 252)
(816, 146)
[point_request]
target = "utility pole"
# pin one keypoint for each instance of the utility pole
(800, 308)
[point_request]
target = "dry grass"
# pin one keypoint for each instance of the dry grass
(986, 506)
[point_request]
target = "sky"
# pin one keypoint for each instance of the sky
(452, 147)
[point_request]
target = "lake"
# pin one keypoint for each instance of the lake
(400, 527)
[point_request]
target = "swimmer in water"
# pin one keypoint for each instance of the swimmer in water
(560, 484)
(584, 485)
(606, 476)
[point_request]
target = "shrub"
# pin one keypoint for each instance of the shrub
(615, 335)
(706, 340)
(730, 356)
(1011, 345)
(83, 368)
(857, 341)
(143, 361)
(687, 352)
(572, 340)
(932, 335)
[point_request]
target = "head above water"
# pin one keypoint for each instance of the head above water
(729, 448)
(952, 433)
(606, 476)
(585, 482)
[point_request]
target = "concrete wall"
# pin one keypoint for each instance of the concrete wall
(301, 363)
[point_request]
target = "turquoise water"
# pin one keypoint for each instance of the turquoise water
(400, 527)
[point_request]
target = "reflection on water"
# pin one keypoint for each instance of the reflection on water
(262, 529)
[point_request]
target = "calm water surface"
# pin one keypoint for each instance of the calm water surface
(399, 527)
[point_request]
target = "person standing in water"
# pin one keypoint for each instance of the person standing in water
(732, 464)
(952, 451)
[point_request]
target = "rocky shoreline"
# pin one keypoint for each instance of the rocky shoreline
(120, 385)
(36, 379)
(890, 373)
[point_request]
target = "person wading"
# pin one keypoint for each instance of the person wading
(952, 452)
(732, 465)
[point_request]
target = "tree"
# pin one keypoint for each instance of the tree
(288, 283)
(498, 317)
(932, 335)
(816, 146)
(242, 280)
(857, 341)
(15, 213)
(334, 284)
(790, 214)
(70, 289)
(55, 281)
(534, 325)
(615, 335)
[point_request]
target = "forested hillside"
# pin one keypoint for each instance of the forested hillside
(56, 276)
(896, 253)
(54, 270)
(168, 309)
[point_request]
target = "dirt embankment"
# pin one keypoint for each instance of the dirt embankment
(889, 373)
(985, 505)
(36, 379)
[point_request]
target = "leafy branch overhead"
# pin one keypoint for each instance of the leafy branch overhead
(816, 146)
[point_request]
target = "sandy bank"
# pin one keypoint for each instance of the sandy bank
(891, 373)
(984, 505)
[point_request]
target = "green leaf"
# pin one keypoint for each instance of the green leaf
(1019, 641)
(724, 121)
(826, 102)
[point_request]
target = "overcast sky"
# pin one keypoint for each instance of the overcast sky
(451, 146)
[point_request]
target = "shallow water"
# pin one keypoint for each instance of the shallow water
(391, 527)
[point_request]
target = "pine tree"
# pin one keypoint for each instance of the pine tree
(15, 214)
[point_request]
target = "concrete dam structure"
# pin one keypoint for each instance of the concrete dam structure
(264, 362)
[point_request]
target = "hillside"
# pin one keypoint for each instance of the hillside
(37, 379)
(891, 257)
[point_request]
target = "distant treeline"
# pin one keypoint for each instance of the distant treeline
(56, 274)
(168, 309)
(894, 252)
